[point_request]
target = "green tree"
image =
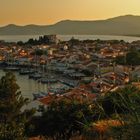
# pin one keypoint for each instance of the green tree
(12, 119)
(63, 119)
(74, 41)
(39, 52)
(68, 117)
(121, 60)
(132, 58)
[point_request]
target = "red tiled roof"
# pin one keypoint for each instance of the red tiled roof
(36, 138)
(46, 100)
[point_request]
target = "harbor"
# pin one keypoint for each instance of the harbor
(57, 68)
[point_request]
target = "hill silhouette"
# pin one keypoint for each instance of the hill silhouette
(122, 25)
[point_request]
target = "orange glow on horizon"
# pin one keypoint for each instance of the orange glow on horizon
(45, 12)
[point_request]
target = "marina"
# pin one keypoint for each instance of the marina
(27, 86)
(36, 86)
(76, 67)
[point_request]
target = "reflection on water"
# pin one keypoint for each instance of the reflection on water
(27, 86)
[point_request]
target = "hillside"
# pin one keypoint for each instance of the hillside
(122, 25)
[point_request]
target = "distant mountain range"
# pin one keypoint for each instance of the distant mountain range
(122, 25)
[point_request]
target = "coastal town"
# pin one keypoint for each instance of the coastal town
(75, 68)
(69, 70)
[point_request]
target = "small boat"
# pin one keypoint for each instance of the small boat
(26, 71)
(11, 69)
(60, 90)
(39, 95)
(35, 76)
(31, 76)
(45, 80)
(44, 93)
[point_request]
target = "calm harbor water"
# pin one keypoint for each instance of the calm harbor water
(27, 86)
(15, 38)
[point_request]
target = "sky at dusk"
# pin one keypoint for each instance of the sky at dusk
(45, 12)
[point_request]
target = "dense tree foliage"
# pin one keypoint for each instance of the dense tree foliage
(12, 119)
(63, 119)
(74, 41)
(132, 58)
(68, 117)
(42, 40)
(122, 101)
(39, 52)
